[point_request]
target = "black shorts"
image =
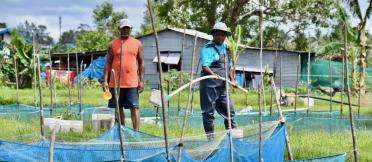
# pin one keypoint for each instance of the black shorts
(128, 98)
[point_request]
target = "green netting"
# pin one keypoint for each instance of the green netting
(151, 116)
(328, 122)
(320, 73)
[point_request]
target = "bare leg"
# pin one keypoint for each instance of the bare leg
(135, 116)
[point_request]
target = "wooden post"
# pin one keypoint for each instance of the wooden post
(271, 103)
(92, 58)
(193, 91)
(120, 71)
(121, 120)
(297, 81)
(245, 86)
(343, 84)
(282, 119)
(181, 57)
(68, 80)
(228, 108)
(330, 86)
(50, 83)
(261, 46)
(165, 125)
(274, 71)
(192, 73)
(351, 117)
(41, 99)
(359, 95)
(280, 81)
(168, 86)
(117, 112)
(79, 82)
(16, 76)
(78, 85)
(308, 81)
(188, 101)
(51, 145)
(260, 158)
(34, 57)
(60, 62)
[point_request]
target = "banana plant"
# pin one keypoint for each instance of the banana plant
(21, 51)
(235, 48)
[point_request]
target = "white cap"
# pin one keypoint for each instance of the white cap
(220, 26)
(124, 23)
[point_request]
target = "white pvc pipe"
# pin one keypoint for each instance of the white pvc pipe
(169, 96)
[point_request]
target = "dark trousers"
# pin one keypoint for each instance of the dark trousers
(214, 99)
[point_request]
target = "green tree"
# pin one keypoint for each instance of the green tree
(107, 20)
(301, 42)
(68, 37)
(28, 29)
(369, 51)
(145, 27)
(355, 9)
(202, 15)
(273, 37)
(3, 25)
(92, 41)
(83, 28)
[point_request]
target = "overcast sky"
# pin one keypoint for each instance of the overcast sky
(75, 12)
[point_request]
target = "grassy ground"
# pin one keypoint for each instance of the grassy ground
(93, 97)
(305, 144)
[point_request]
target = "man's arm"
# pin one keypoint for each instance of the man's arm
(210, 72)
(235, 83)
(107, 68)
(141, 68)
(231, 74)
(231, 71)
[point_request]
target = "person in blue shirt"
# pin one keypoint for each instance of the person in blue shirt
(213, 91)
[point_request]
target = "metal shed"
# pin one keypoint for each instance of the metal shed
(248, 65)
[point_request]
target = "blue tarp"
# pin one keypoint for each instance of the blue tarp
(146, 150)
(94, 70)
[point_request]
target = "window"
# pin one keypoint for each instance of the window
(169, 60)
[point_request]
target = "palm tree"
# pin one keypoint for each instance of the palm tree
(355, 9)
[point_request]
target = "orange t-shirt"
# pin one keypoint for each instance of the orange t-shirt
(129, 69)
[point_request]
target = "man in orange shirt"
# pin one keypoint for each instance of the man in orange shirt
(125, 56)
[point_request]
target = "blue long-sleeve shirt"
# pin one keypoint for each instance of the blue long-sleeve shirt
(208, 54)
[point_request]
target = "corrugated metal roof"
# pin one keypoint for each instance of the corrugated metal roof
(192, 32)
(4, 30)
